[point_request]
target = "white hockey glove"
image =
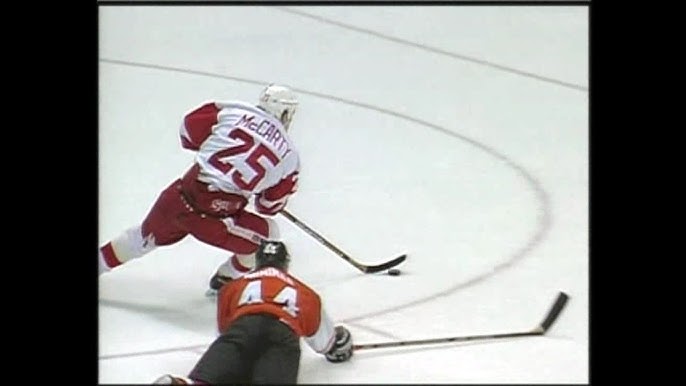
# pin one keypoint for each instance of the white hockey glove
(342, 349)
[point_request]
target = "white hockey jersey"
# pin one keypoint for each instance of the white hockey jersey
(242, 149)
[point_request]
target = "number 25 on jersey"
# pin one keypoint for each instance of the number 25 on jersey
(221, 159)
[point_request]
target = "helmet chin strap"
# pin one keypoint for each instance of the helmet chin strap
(285, 123)
(286, 119)
(278, 100)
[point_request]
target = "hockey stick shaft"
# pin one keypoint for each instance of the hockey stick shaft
(318, 237)
(541, 329)
(362, 267)
(441, 340)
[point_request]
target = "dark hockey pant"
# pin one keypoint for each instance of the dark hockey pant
(256, 349)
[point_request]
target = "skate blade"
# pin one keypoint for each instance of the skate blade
(211, 293)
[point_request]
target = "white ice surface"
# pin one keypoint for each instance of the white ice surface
(478, 173)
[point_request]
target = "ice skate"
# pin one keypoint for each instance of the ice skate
(168, 379)
(233, 268)
(216, 282)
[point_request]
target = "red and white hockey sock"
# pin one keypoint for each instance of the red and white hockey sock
(237, 266)
(129, 245)
(107, 259)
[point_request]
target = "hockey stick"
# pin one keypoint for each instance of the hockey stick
(362, 267)
(541, 329)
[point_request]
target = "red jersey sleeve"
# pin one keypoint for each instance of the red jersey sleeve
(197, 125)
(271, 201)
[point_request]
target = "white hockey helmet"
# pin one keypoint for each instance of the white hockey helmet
(279, 101)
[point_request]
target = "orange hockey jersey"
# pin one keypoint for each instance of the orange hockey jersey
(272, 291)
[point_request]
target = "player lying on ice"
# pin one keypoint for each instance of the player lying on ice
(261, 317)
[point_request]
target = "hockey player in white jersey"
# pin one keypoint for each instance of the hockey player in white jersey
(243, 153)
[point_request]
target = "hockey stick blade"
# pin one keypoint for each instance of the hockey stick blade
(362, 267)
(381, 267)
(553, 313)
(541, 329)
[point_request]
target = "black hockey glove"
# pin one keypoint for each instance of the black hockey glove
(342, 349)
